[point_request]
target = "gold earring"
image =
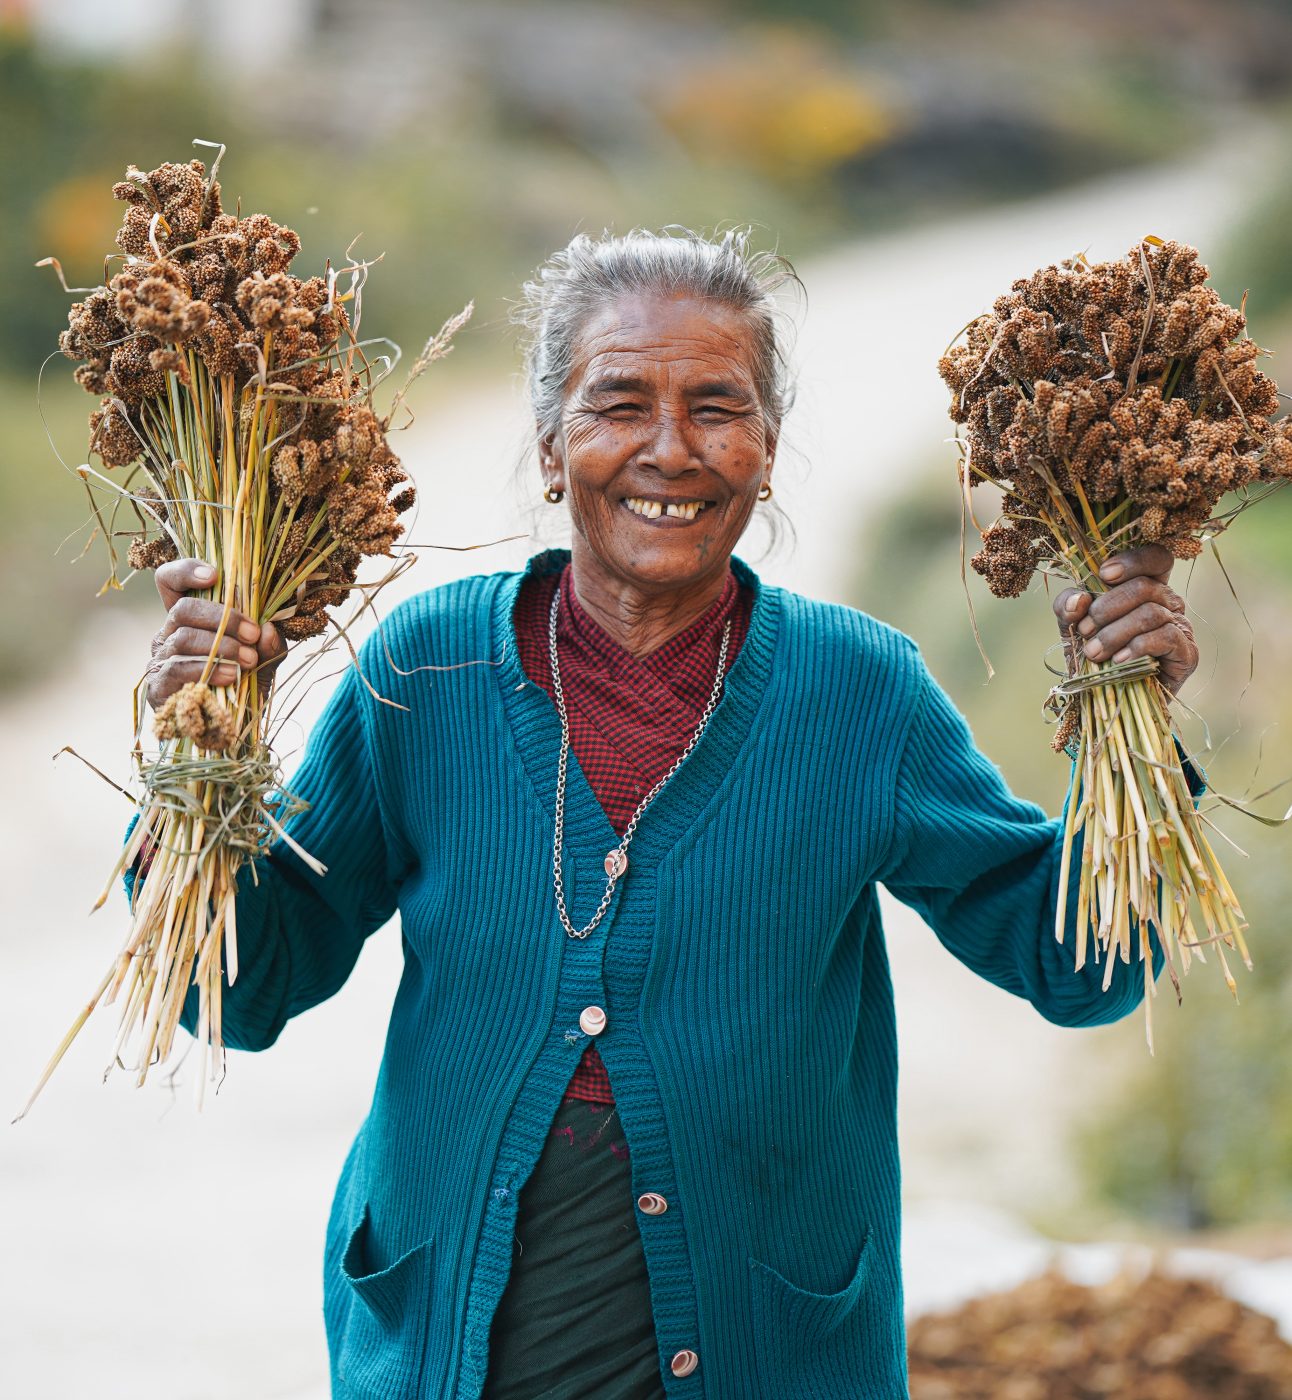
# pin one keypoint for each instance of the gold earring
(765, 491)
(553, 496)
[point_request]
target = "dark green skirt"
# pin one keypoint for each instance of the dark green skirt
(575, 1322)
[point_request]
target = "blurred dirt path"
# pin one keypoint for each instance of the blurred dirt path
(153, 1252)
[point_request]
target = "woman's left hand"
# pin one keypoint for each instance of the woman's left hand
(1139, 615)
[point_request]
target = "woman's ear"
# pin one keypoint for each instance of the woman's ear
(550, 460)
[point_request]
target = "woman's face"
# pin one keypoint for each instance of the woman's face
(662, 446)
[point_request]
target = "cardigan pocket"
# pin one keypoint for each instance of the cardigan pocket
(387, 1323)
(809, 1346)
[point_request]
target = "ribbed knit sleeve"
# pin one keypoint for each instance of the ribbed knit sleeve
(300, 933)
(981, 866)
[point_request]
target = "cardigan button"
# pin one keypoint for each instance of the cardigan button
(651, 1203)
(592, 1020)
(683, 1362)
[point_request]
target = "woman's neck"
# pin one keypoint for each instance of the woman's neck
(641, 620)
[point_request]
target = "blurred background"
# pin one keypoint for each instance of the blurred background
(912, 158)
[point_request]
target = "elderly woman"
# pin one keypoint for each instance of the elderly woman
(634, 1129)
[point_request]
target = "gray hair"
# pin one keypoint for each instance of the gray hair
(588, 273)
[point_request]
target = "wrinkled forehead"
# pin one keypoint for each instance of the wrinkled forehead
(664, 339)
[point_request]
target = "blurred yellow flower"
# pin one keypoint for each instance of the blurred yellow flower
(74, 222)
(780, 103)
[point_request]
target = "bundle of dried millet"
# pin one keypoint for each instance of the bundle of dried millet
(1125, 383)
(204, 287)
(1115, 405)
(236, 416)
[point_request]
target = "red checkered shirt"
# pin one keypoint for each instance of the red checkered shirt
(630, 717)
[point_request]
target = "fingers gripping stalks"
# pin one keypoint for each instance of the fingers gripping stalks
(1136, 615)
(196, 630)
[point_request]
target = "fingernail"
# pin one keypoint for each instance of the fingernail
(204, 572)
(1093, 648)
(1123, 655)
(248, 656)
(1070, 607)
(1112, 572)
(249, 631)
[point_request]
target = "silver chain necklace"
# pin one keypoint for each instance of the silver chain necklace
(616, 861)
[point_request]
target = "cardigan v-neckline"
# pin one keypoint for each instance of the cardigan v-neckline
(631, 717)
(648, 672)
(536, 727)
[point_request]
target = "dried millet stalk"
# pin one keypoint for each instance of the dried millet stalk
(112, 436)
(148, 554)
(195, 712)
(362, 516)
(301, 626)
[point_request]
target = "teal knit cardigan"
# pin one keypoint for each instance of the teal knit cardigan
(742, 968)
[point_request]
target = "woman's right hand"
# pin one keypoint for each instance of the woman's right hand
(186, 639)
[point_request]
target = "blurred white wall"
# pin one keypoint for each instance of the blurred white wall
(252, 33)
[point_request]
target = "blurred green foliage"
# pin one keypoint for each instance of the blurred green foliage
(1262, 245)
(41, 505)
(1201, 1133)
(454, 213)
(52, 167)
(816, 122)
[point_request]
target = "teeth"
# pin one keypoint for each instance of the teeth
(652, 510)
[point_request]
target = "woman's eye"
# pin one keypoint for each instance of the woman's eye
(713, 410)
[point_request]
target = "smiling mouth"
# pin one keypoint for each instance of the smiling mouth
(653, 510)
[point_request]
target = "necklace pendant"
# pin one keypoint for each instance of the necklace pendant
(616, 863)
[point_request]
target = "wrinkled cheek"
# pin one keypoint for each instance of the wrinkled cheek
(594, 519)
(737, 518)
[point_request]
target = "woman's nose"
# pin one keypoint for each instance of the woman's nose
(669, 447)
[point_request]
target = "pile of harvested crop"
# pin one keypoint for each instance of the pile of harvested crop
(1115, 405)
(1154, 1338)
(236, 423)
